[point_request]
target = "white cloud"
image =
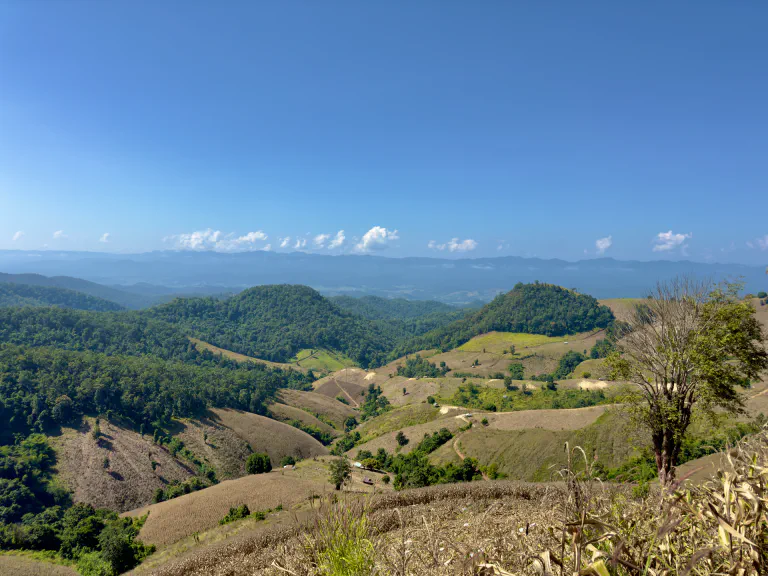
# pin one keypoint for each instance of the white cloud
(602, 244)
(376, 239)
(267, 248)
(284, 241)
(455, 245)
(18, 236)
(300, 243)
(59, 235)
(761, 243)
(210, 239)
(666, 241)
(320, 240)
(338, 241)
(104, 238)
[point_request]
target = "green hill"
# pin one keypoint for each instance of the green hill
(377, 308)
(527, 308)
(29, 295)
(276, 322)
(124, 299)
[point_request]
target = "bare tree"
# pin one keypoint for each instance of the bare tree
(689, 345)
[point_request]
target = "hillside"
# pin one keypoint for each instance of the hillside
(377, 308)
(277, 322)
(123, 298)
(29, 295)
(528, 308)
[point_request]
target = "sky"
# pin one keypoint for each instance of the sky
(451, 129)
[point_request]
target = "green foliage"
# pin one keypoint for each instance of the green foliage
(340, 471)
(25, 473)
(287, 461)
(28, 295)
(343, 399)
(762, 294)
(276, 322)
(258, 463)
(375, 403)
(601, 349)
(431, 443)
(235, 514)
(345, 443)
(529, 308)
(140, 389)
(516, 371)
(323, 437)
(494, 399)
(175, 489)
(568, 363)
(401, 438)
(350, 423)
(418, 367)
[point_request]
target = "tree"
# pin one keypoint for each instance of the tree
(340, 472)
(258, 463)
(689, 347)
(516, 371)
(401, 438)
(762, 295)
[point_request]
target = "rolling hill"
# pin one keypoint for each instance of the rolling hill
(123, 298)
(277, 322)
(12, 294)
(528, 308)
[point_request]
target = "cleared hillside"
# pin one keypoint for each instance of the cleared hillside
(286, 413)
(128, 480)
(266, 435)
(318, 404)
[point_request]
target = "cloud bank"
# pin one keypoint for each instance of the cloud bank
(666, 241)
(377, 238)
(454, 245)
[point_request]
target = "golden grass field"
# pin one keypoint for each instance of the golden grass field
(349, 383)
(330, 408)
(19, 565)
(129, 481)
(469, 516)
(286, 413)
(266, 435)
(622, 308)
(176, 519)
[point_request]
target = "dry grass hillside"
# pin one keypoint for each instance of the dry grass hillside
(19, 565)
(266, 435)
(318, 404)
(350, 383)
(199, 512)
(286, 413)
(414, 433)
(219, 446)
(128, 480)
(453, 521)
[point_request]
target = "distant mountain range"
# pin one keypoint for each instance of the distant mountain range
(158, 275)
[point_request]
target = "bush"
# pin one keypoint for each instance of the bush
(287, 461)
(236, 514)
(340, 471)
(586, 374)
(258, 463)
(401, 438)
(516, 371)
(762, 294)
(484, 421)
(386, 479)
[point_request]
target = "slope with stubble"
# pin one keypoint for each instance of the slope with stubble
(319, 404)
(267, 435)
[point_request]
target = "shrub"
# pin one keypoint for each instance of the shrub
(236, 514)
(258, 463)
(287, 461)
(340, 472)
(762, 294)
(386, 479)
(401, 438)
(586, 374)
(484, 421)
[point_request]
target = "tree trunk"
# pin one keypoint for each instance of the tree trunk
(665, 448)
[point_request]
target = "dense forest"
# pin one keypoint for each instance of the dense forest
(275, 322)
(127, 333)
(28, 295)
(377, 308)
(530, 308)
(42, 388)
(123, 298)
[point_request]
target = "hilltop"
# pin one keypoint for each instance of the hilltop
(12, 294)
(527, 308)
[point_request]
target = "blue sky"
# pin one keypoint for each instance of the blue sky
(453, 129)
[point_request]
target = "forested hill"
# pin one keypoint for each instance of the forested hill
(29, 295)
(531, 308)
(275, 322)
(113, 333)
(124, 299)
(378, 308)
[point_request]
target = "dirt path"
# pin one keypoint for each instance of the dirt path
(462, 457)
(355, 402)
